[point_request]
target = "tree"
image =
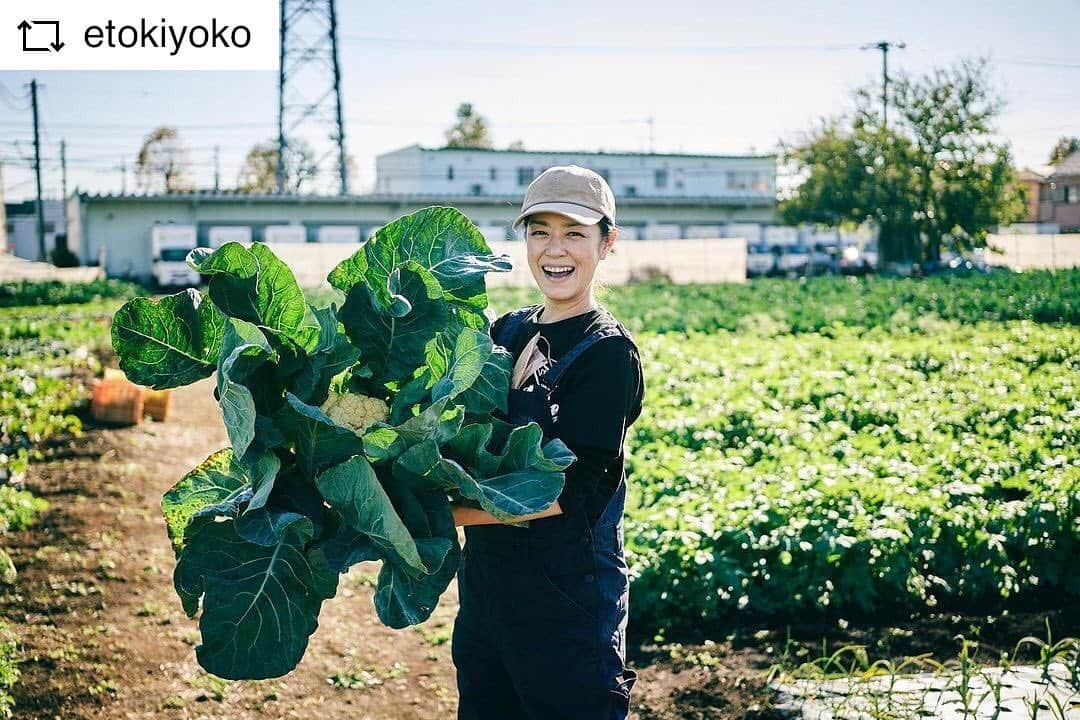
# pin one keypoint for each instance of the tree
(162, 163)
(1064, 147)
(934, 179)
(258, 174)
(470, 130)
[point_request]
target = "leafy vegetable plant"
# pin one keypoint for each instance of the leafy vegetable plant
(352, 430)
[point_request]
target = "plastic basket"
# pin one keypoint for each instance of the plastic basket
(156, 403)
(117, 402)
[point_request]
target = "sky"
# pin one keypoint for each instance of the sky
(714, 77)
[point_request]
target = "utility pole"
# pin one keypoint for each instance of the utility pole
(122, 167)
(37, 174)
(884, 46)
(217, 168)
(63, 170)
(340, 136)
(281, 99)
(652, 128)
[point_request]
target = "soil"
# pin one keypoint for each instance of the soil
(103, 635)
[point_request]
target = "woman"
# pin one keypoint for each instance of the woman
(540, 632)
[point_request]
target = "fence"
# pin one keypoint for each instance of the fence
(708, 260)
(1028, 252)
(15, 268)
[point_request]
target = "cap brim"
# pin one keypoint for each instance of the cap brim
(577, 213)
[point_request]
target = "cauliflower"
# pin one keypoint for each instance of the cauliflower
(355, 412)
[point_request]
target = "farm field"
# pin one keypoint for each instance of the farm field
(887, 463)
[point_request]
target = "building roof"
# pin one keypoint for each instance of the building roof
(1030, 175)
(1069, 166)
(597, 153)
(210, 196)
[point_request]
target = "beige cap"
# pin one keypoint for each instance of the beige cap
(576, 192)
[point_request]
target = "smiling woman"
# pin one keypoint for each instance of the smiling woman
(541, 626)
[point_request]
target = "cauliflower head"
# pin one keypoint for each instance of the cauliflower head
(355, 412)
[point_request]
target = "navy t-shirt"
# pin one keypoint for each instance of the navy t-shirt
(598, 397)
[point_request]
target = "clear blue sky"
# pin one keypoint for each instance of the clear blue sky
(716, 77)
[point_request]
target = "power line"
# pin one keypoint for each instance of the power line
(680, 48)
(1042, 63)
(10, 99)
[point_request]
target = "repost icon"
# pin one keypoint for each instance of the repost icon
(37, 33)
(140, 35)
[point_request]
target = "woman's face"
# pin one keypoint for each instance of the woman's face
(555, 242)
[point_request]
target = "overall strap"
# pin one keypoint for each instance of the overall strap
(611, 329)
(513, 321)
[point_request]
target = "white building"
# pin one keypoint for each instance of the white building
(416, 170)
(21, 227)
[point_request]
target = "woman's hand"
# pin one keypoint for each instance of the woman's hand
(474, 516)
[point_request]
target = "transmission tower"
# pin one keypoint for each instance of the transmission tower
(309, 92)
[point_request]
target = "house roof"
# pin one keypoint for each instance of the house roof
(1069, 166)
(1030, 175)
(595, 153)
(211, 196)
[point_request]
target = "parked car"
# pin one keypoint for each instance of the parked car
(791, 259)
(760, 260)
(854, 260)
(824, 259)
(957, 265)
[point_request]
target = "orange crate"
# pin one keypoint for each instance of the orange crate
(117, 401)
(156, 403)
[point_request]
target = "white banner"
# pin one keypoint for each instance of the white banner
(146, 35)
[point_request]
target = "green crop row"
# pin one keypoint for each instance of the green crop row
(45, 354)
(781, 306)
(54, 292)
(854, 472)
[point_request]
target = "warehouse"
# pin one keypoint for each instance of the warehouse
(115, 230)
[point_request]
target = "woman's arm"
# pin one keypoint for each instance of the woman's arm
(473, 516)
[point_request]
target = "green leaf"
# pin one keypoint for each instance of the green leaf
(243, 349)
(331, 355)
(290, 492)
(265, 526)
(169, 342)
(507, 496)
(215, 480)
(345, 547)
(259, 604)
(393, 346)
(353, 489)
(475, 448)
(477, 372)
(8, 573)
(523, 450)
(403, 598)
(318, 441)
(253, 284)
(409, 396)
(262, 469)
(350, 271)
(440, 422)
(423, 466)
(445, 243)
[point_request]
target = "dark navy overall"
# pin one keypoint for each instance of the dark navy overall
(541, 630)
